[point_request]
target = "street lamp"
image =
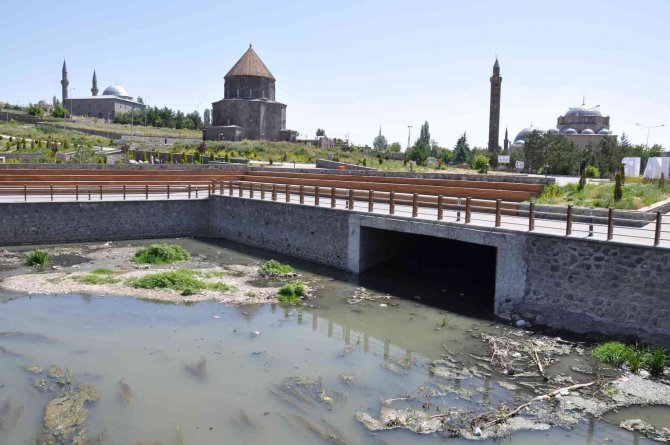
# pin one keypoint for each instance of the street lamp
(409, 132)
(649, 128)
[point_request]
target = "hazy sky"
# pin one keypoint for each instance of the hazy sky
(351, 66)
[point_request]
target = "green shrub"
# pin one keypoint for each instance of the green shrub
(551, 190)
(613, 352)
(274, 268)
(591, 172)
(221, 287)
(182, 280)
(37, 258)
(161, 254)
(102, 271)
(95, 279)
(291, 293)
(655, 359)
(480, 163)
(618, 191)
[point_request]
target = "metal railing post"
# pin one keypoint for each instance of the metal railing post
(239, 189)
(274, 192)
(458, 209)
(213, 187)
(531, 217)
(317, 192)
(251, 190)
(657, 233)
(197, 188)
(415, 205)
(468, 211)
(146, 191)
(124, 192)
(100, 192)
(301, 194)
(230, 188)
(287, 193)
(262, 190)
(221, 188)
(25, 192)
(391, 202)
(51, 188)
(610, 224)
(440, 210)
(498, 215)
(168, 191)
(189, 191)
(76, 192)
(568, 221)
(371, 200)
(350, 199)
(89, 192)
(333, 201)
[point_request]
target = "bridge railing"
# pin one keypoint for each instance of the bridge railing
(619, 225)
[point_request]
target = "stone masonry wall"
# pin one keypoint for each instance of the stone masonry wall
(602, 287)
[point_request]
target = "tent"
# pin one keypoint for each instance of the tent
(656, 167)
(631, 167)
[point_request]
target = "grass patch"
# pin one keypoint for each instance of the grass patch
(210, 273)
(102, 271)
(221, 287)
(618, 354)
(182, 280)
(292, 292)
(274, 268)
(161, 254)
(635, 195)
(37, 258)
(95, 279)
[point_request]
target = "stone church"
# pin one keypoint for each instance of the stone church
(248, 109)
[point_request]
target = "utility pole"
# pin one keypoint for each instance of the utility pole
(409, 133)
(649, 128)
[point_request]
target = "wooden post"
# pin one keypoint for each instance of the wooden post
(371, 200)
(274, 192)
(100, 192)
(610, 224)
(440, 210)
(168, 191)
(189, 191)
(302, 194)
(76, 192)
(287, 193)
(391, 202)
(657, 233)
(124, 192)
(350, 202)
(230, 188)
(317, 192)
(568, 222)
(468, 210)
(146, 191)
(51, 188)
(415, 205)
(239, 189)
(262, 190)
(498, 215)
(251, 190)
(332, 198)
(531, 217)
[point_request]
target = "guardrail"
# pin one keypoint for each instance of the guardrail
(465, 210)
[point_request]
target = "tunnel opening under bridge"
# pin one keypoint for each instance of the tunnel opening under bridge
(453, 275)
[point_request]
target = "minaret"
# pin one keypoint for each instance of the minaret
(94, 89)
(64, 82)
(494, 116)
(506, 143)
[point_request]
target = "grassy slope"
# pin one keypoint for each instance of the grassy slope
(635, 196)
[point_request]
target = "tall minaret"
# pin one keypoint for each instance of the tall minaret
(94, 89)
(494, 116)
(64, 82)
(506, 142)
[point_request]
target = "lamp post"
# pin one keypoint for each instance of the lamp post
(409, 133)
(649, 127)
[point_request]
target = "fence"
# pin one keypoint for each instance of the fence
(468, 211)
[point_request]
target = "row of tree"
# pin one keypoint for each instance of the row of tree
(166, 117)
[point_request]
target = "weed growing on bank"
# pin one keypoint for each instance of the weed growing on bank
(185, 281)
(95, 279)
(161, 254)
(274, 268)
(102, 271)
(292, 292)
(37, 258)
(618, 354)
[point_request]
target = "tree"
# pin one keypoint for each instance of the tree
(140, 100)
(59, 111)
(618, 191)
(55, 101)
(395, 147)
(419, 152)
(424, 135)
(35, 110)
(461, 150)
(534, 150)
(320, 132)
(207, 117)
(379, 142)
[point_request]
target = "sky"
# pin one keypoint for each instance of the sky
(352, 67)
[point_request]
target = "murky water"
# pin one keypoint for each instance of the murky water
(203, 370)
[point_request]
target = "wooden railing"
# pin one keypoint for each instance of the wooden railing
(618, 225)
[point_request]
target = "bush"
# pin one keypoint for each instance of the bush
(618, 191)
(551, 190)
(182, 280)
(613, 352)
(274, 268)
(591, 172)
(35, 110)
(480, 163)
(37, 258)
(161, 254)
(292, 292)
(617, 354)
(95, 279)
(655, 360)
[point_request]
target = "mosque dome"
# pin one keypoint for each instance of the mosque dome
(523, 134)
(570, 131)
(43, 102)
(583, 111)
(587, 131)
(552, 130)
(116, 90)
(605, 131)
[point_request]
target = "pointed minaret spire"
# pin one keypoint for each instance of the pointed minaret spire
(380, 130)
(506, 141)
(494, 113)
(64, 82)
(94, 88)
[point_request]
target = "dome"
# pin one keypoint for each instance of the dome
(570, 131)
(583, 111)
(587, 131)
(116, 90)
(43, 102)
(605, 131)
(523, 134)
(552, 131)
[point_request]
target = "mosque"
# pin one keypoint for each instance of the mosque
(114, 99)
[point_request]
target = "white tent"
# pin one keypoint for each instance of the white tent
(656, 166)
(631, 167)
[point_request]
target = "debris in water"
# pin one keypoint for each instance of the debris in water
(304, 393)
(33, 369)
(348, 378)
(6, 351)
(56, 372)
(65, 417)
(125, 392)
(327, 433)
(29, 336)
(198, 369)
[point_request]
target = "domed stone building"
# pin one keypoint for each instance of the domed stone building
(582, 125)
(114, 99)
(248, 109)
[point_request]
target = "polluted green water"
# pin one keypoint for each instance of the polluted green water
(209, 373)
